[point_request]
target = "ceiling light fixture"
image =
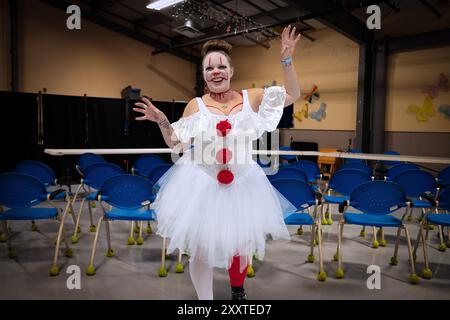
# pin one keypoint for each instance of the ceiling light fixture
(161, 4)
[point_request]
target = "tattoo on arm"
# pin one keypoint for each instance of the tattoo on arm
(167, 132)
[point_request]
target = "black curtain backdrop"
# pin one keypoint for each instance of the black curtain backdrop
(18, 128)
(80, 122)
(75, 122)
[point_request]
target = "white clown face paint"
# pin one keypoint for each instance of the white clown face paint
(217, 72)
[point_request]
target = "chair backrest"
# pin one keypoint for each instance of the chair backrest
(297, 192)
(399, 168)
(20, 190)
(378, 197)
(444, 176)
(444, 199)
(289, 173)
(389, 162)
(146, 163)
(349, 160)
(38, 170)
(345, 181)
(287, 157)
(158, 172)
(87, 159)
(311, 169)
(416, 182)
(357, 166)
(96, 174)
(126, 191)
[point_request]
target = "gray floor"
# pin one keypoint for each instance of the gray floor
(283, 274)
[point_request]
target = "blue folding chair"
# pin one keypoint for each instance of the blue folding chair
(157, 173)
(46, 175)
(289, 173)
(441, 220)
(417, 184)
(343, 182)
(311, 169)
(391, 162)
(376, 200)
(129, 197)
(143, 166)
(87, 159)
(444, 178)
(93, 178)
(146, 163)
(286, 157)
(154, 175)
(399, 168)
(358, 166)
(303, 197)
(21, 193)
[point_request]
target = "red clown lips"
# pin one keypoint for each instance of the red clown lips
(225, 176)
(224, 156)
(223, 127)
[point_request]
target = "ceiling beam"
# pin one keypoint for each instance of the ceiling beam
(430, 7)
(61, 4)
(340, 18)
(427, 40)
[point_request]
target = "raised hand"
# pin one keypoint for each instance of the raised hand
(288, 42)
(149, 111)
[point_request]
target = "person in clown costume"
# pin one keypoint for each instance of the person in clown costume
(216, 202)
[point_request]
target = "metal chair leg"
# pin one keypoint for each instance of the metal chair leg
(11, 251)
(131, 240)
(426, 272)
(312, 242)
(91, 268)
(413, 278)
(394, 260)
(140, 239)
(322, 276)
(179, 268)
(375, 242)
(339, 271)
(162, 270)
(250, 270)
(74, 238)
(110, 253)
(54, 269)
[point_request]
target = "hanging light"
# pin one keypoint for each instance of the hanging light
(161, 4)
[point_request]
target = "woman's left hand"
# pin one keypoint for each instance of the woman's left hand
(288, 42)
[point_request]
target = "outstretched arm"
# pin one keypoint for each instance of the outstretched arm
(288, 42)
(150, 112)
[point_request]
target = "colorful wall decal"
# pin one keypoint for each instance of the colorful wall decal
(320, 113)
(302, 113)
(445, 110)
(424, 112)
(313, 95)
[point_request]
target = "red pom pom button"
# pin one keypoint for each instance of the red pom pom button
(225, 176)
(223, 127)
(224, 156)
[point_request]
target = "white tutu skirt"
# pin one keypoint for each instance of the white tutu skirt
(215, 222)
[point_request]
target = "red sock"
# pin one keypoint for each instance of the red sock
(236, 277)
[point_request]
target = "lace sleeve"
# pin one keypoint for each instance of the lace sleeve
(187, 127)
(271, 108)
